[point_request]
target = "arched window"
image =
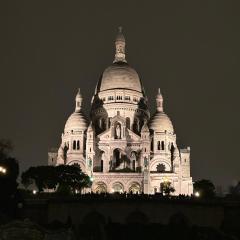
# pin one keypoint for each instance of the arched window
(78, 145)
(74, 145)
(128, 122)
(117, 157)
(104, 124)
(109, 122)
(101, 165)
(136, 125)
(100, 123)
(162, 145)
(152, 144)
(158, 145)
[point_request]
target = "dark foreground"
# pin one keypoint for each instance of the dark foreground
(50, 216)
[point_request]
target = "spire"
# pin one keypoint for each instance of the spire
(120, 47)
(145, 127)
(78, 100)
(90, 127)
(159, 101)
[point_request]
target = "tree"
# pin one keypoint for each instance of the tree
(9, 169)
(166, 188)
(43, 176)
(205, 188)
(66, 178)
(72, 176)
(5, 148)
(235, 190)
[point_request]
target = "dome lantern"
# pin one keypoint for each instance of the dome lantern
(77, 121)
(120, 47)
(159, 101)
(78, 100)
(160, 122)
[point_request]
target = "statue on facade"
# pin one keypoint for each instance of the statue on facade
(118, 131)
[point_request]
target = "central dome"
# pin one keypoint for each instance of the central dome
(120, 75)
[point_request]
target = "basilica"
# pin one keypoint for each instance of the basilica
(122, 148)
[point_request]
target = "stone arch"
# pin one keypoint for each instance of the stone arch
(134, 187)
(117, 154)
(100, 187)
(117, 187)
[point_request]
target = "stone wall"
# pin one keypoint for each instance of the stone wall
(119, 210)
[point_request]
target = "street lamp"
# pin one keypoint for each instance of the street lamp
(3, 170)
(197, 194)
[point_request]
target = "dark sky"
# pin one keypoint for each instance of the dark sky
(190, 49)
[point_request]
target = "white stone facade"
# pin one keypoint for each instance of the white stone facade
(122, 148)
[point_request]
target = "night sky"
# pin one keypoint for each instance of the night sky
(190, 49)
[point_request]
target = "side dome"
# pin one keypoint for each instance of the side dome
(76, 122)
(120, 75)
(160, 122)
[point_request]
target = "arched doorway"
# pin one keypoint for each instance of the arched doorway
(133, 158)
(117, 187)
(134, 188)
(101, 167)
(101, 187)
(116, 158)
